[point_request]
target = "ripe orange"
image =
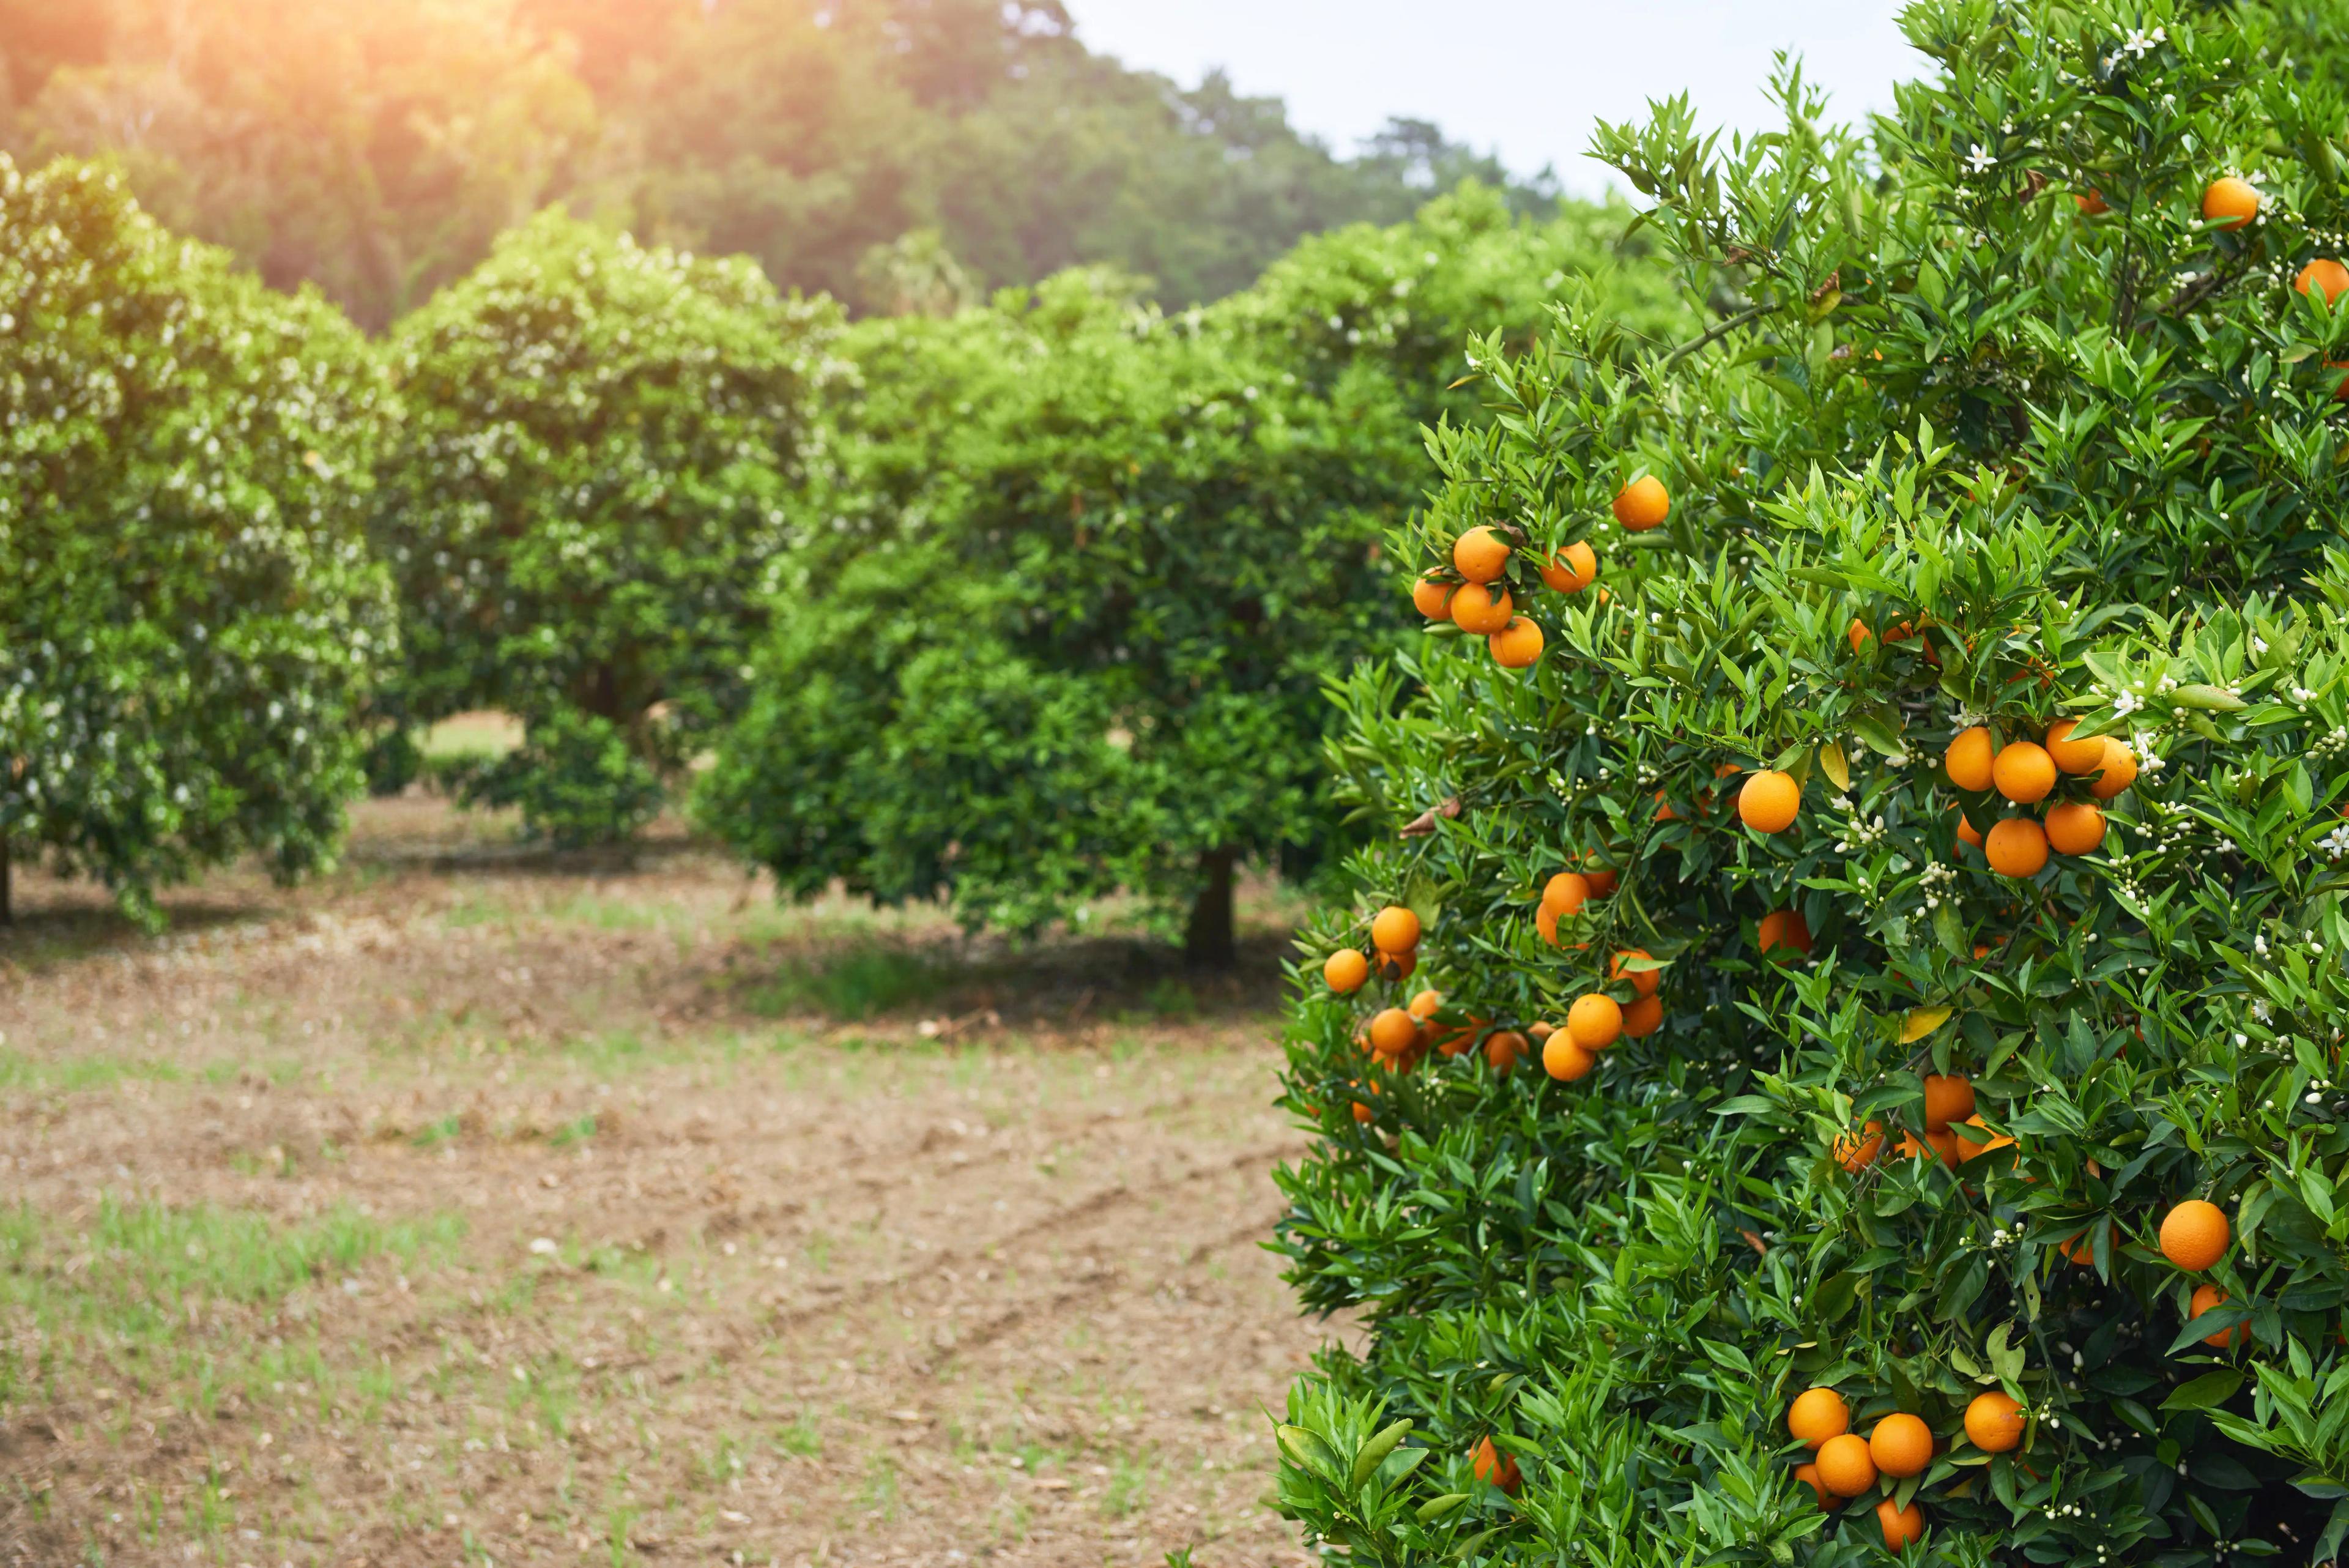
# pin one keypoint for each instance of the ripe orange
(1395, 930)
(1565, 893)
(1943, 1146)
(1364, 1113)
(2207, 1297)
(1602, 877)
(1856, 1151)
(2023, 772)
(1816, 1415)
(1642, 504)
(1968, 759)
(1994, 1422)
(2016, 847)
(1947, 1099)
(1966, 833)
(1491, 1465)
(2081, 1248)
(1643, 1017)
(1784, 929)
(1991, 1142)
(2091, 205)
(1809, 1475)
(1563, 1059)
(2326, 274)
(2119, 771)
(1516, 645)
(2074, 828)
(1664, 812)
(1396, 966)
(2229, 199)
(1425, 1005)
(1643, 981)
(1572, 569)
(1539, 1030)
(1595, 1022)
(1901, 1446)
(1546, 922)
(1900, 1525)
(1479, 609)
(1345, 969)
(1433, 598)
(1768, 800)
(1846, 1465)
(2081, 757)
(1394, 1031)
(2194, 1235)
(1505, 1049)
(1480, 554)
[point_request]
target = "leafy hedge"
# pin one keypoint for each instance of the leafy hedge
(190, 613)
(1064, 625)
(1994, 428)
(593, 475)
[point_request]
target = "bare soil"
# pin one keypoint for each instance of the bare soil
(477, 1206)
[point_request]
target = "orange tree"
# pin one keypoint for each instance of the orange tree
(1860, 1077)
(1084, 570)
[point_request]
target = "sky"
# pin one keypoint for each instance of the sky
(1527, 77)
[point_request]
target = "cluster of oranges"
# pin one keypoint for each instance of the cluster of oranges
(2025, 772)
(1394, 952)
(1845, 1465)
(1948, 1102)
(1480, 603)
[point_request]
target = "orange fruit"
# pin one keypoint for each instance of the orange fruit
(1768, 800)
(2326, 274)
(1900, 1525)
(1901, 1446)
(1345, 969)
(2091, 205)
(1943, 1146)
(2207, 1297)
(1563, 1059)
(1816, 1415)
(1433, 598)
(2081, 757)
(1994, 1422)
(2074, 828)
(2194, 1235)
(2023, 772)
(1966, 833)
(1643, 1017)
(1846, 1465)
(1546, 922)
(1602, 877)
(1505, 1049)
(1516, 645)
(1363, 1112)
(1393, 966)
(1967, 1148)
(1480, 554)
(1425, 1005)
(1572, 569)
(1968, 759)
(1856, 1151)
(2232, 200)
(1394, 1031)
(1479, 609)
(1491, 1465)
(1664, 812)
(2081, 1248)
(1565, 893)
(1947, 1099)
(1643, 981)
(2119, 771)
(1642, 504)
(1395, 930)
(1784, 929)
(2016, 847)
(1595, 1022)
(1809, 1475)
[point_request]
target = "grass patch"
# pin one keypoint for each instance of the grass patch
(18, 1071)
(857, 983)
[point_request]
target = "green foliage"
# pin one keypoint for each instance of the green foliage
(588, 487)
(1088, 569)
(192, 616)
(378, 147)
(1956, 450)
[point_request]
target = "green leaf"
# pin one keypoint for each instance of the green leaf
(2203, 1392)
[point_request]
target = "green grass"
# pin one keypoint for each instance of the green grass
(67, 1075)
(851, 985)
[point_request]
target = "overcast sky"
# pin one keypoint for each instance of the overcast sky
(1528, 77)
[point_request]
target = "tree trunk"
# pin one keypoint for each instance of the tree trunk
(1208, 942)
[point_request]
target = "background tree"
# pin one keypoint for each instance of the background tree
(1066, 628)
(1909, 1044)
(581, 505)
(192, 616)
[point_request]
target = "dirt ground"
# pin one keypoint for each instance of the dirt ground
(473, 1207)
